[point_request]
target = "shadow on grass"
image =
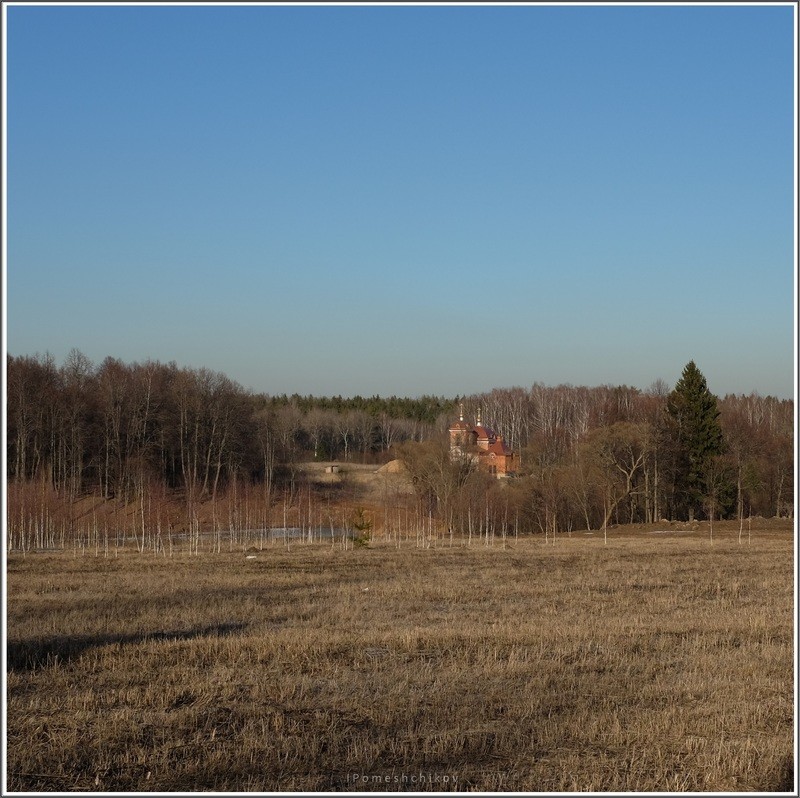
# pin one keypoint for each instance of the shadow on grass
(786, 777)
(25, 655)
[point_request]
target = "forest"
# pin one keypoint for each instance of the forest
(588, 457)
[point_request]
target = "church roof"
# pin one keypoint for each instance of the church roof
(463, 425)
(492, 444)
(499, 447)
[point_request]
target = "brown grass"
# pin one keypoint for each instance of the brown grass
(659, 662)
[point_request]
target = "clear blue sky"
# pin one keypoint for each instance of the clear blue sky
(406, 200)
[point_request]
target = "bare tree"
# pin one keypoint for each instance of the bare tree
(616, 456)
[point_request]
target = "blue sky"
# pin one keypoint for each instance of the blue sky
(406, 200)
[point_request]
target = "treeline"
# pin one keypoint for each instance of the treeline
(587, 456)
(593, 457)
(425, 409)
(115, 427)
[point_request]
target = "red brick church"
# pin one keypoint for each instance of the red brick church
(482, 445)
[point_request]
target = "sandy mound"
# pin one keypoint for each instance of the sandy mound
(393, 467)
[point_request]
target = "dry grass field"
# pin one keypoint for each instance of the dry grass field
(657, 662)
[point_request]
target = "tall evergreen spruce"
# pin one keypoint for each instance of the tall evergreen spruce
(699, 436)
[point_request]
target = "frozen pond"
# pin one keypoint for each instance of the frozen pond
(278, 533)
(296, 532)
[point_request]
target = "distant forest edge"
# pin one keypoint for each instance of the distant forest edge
(586, 456)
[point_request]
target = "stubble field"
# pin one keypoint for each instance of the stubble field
(658, 662)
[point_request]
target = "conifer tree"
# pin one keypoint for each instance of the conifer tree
(698, 436)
